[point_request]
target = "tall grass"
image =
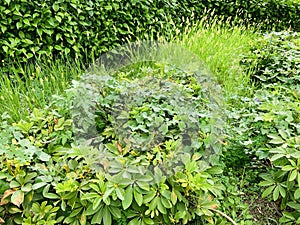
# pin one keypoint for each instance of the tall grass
(221, 45)
(31, 86)
(218, 44)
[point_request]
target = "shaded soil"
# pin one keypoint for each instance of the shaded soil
(264, 211)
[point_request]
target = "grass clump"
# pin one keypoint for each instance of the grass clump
(30, 86)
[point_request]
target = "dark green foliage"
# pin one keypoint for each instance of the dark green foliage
(86, 29)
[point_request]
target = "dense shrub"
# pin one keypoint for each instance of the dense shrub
(86, 29)
(148, 164)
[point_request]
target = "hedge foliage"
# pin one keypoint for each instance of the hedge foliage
(87, 28)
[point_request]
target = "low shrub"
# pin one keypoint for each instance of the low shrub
(150, 163)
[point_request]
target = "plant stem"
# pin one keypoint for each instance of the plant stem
(224, 215)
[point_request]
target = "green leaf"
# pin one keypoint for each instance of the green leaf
(166, 203)
(14, 184)
(97, 201)
(288, 168)
(75, 212)
(49, 195)
(276, 193)
(138, 197)
(173, 198)
(120, 193)
(115, 212)
(277, 156)
(134, 221)
(293, 175)
(282, 191)
(297, 194)
(128, 198)
(275, 139)
(38, 185)
(27, 187)
(107, 220)
(97, 218)
(17, 198)
(160, 206)
(148, 197)
(268, 191)
(143, 185)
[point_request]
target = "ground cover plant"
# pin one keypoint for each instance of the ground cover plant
(46, 176)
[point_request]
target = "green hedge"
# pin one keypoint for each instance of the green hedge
(88, 28)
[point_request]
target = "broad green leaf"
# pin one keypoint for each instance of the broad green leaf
(277, 156)
(275, 139)
(97, 218)
(148, 197)
(266, 183)
(75, 212)
(160, 206)
(134, 221)
(128, 198)
(143, 185)
(282, 191)
(138, 197)
(120, 193)
(148, 221)
(173, 198)
(288, 168)
(276, 193)
(27, 187)
(268, 191)
(97, 201)
(115, 212)
(297, 194)
(293, 175)
(107, 220)
(14, 184)
(38, 185)
(166, 203)
(17, 198)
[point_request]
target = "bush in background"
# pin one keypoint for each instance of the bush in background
(86, 29)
